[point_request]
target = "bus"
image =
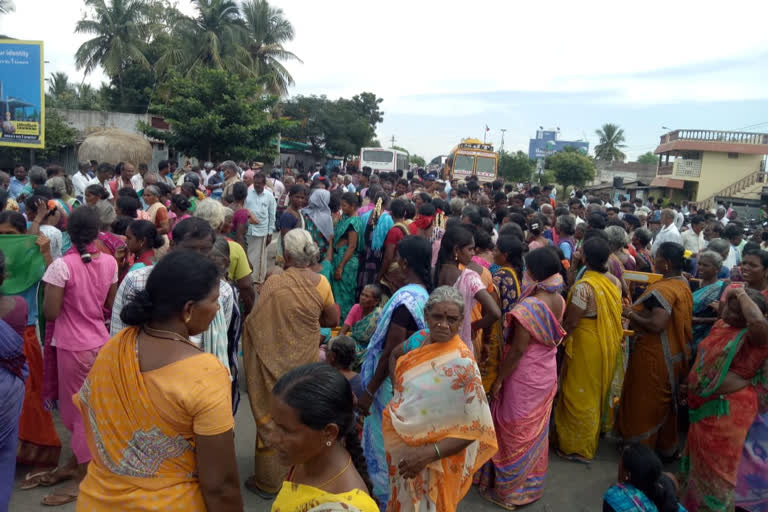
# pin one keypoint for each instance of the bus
(383, 160)
(471, 157)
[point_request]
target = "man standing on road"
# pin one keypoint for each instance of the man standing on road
(262, 206)
(668, 232)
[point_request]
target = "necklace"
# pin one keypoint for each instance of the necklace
(335, 477)
(174, 336)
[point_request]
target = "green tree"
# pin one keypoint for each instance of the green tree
(340, 127)
(213, 39)
(570, 168)
(611, 143)
(267, 32)
(516, 167)
(417, 160)
(367, 105)
(120, 30)
(648, 158)
(58, 136)
(60, 90)
(217, 115)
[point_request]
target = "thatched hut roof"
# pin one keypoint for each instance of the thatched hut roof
(113, 146)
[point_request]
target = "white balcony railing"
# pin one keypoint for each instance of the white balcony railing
(687, 168)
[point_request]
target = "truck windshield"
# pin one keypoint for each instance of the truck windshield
(485, 165)
(464, 163)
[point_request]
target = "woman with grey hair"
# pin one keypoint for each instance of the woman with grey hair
(709, 292)
(446, 421)
(281, 333)
(212, 212)
(620, 260)
(63, 192)
(157, 214)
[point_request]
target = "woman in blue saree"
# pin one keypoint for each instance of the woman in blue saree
(402, 316)
(13, 373)
(704, 311)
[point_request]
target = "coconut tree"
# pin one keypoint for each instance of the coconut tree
(119, 31)
(267, 31)
(6, 6)
(611, 142)
(58, 84)
(214, 38)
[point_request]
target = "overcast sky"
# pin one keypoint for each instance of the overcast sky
(446, 68)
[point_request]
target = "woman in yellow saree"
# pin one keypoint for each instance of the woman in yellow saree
(157, 410)
(316, 435)
(437, 428)
(592, 351)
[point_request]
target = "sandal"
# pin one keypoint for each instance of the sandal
(32, 480)
(58, 499)
(53, 477)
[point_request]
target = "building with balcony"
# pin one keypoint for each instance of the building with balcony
(700, 165)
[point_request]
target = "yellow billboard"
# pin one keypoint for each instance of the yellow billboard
(22, 94)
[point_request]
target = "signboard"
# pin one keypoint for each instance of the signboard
(485, 147)
(22, 94)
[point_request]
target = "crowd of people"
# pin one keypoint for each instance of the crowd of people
(403, 337)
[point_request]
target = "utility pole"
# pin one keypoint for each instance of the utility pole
(393, 142)
(501, 148)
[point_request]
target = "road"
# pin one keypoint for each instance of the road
(570, 486)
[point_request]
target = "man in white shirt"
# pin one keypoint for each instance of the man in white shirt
(137, 180)
(262, 205)
(693, 239)
(104, 173)
(81, 179)
(721, 216)
(679, 217)
(668, 232)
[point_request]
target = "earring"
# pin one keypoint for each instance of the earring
(328, 444)
(187, 319)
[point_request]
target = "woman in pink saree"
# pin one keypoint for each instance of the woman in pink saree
(524, 390)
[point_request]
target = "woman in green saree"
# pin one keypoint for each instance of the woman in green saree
(361, 321)
(704, 310)
(347, 245)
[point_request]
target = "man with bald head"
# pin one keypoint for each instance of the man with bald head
(668, 231)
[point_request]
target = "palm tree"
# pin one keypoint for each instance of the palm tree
(611, 142)
(267, 31)
(214, 39)
(58, 84)
(6, 6)
(120, 34)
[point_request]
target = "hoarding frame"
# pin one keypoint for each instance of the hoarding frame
(41, 145)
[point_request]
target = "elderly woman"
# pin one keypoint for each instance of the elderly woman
(280, 334)
(438, 419)
(63, 192)
(319, 222)
(723, 397)
(592, 351)
(619, 260)
(705, 307)
(157, 214)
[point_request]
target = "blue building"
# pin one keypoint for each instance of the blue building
(547, 143)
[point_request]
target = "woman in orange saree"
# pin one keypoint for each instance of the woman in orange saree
(723, 401)
(659, 357)
(437, 428)
(157, 410)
